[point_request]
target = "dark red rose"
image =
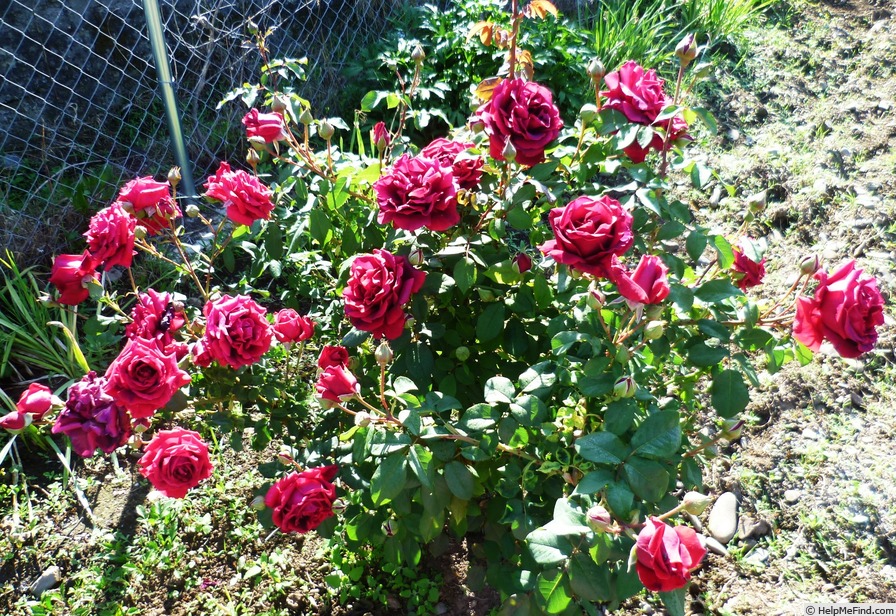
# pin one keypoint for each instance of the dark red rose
(381, 138)
(92, 419)
(666, 555)
(143, 378)
(649, 284)
(175, 461)
(336, 384)
(268, 126)
(467, 169)
(636, 93)
(244, 196)
(71, 274)
(37, 400)
(846, 310)
(417, 192)
(237, 332)
(157, 317)
(378, 288)
(290, 326)
(524, 113)
(301, 501)
(15, 422)
(588, 233)
(747, 273)
(110, 237)
(332, 356)
(151, 203)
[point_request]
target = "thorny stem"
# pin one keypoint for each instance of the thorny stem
(515, 20)
(383, 389)
(669, 123)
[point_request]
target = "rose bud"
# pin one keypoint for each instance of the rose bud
(695, 503)
(809, 265)
(174, 177)
(363, 419)
(253, 158)
(390, 527)
(596, 299)
(624, 387)
(140, 232)
(257, 503)
(192, 211)
(279, 104)
(15, 422)
(756, 202)
(732, 429)
(654, 330)
(284, 457)
(339, 506)
(381, 137)
(306, 118)
(416, 257)
(418, 55)
(383, 354)
(522, 263)
(509, 152)
(599, 519)
(686, 50)
(596, 70)
(326, 130)
(37, 401)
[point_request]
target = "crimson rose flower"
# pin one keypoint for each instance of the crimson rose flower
(666, 555)
(290, 326)
(467, 169)
(237, 332)
(381, 138)
(417, 192)
(151, 202)
(747, 273)
(268, 126)
(157, 317)
(524, 113)
(846, 310)
(143, 378)
(588, 232)
(245, 198)
(649, 284)
(110, 237)
(92, 419)
(175, 461)
(378, 287)
(15, 422)
(71, 274)
(37, 400)
(336, 384)
(301, 501)
(332, 356)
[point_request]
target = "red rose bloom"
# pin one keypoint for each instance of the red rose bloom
(417, 192)
(524, 113)
(110, 237)
(245, 198)
(15, 422)
(747, 273)
(175, 461)
(666, 555)
(143, 378)
(268, 126)
(151, 202)
(332, 356)
(301, 501)
(290, 326)
(37, 400)
(237, 332)
(378, 288)
(467, 169)
(649, 284)
(156, 317)
(846, 310)
(588, 232)
(381, 138)
(92, 419)
(71, 274)
(336, 384)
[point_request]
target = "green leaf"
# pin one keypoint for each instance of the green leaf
(716, 290)
(708, 119)
(696, 244)
(538, 379)
(700, 175)
(674, 600)
(648, 479)
(724, 251)
(465, 274)
(548, 548)
(354, 338)
(321, 229)
(714, 329)
(658, 437)
(588, 580)
(620, 498)
(553, 591)
(594, 481)
(460, 480)
(499, 389)
(730, 395)
(490, 323)
(388, 479)
(704, 356)
(602, 448)
(420, 461)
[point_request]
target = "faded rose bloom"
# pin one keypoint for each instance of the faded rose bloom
(336, 384)
(15, 422)
(846, 310)
(649, 284)
(71, 275)
(417, 192)
(268, 126)
(666, 555)
(747, 273)
(157, 317)
(332, 356)
(290, 326)
(588, 233)
(143, 378)
(381, 138)
(523, 113)
(151, 202)
(237, 332)
(301, 501)
(37, 400)
(176, 461)
(110, 237)
(244, 196)
(92, 419)
(467, 169)
(379, 286)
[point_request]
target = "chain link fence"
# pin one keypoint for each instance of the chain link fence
(79, 106)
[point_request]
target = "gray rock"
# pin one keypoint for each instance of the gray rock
(748, 527)
(792, 496)
(758, 557)
(694, 521)
(50, 578)
(722, 523)
(715, 547)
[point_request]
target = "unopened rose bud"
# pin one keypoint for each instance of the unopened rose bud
(258, 503)
(192, 211)
(390, 527)
(174, 177)
(596, 70)
(756, 202)
(285, 458)
(140, 232)
(588, 113)
(695, 503)
(326, 130)
(383, 354)
(596, 299)
(363, 419)
(654, 330)
(279, 104)
(732, 429)
(623, 355)
(462, 353)
(686, 50)
(416, 257)
(338, 506)
(599, 519)
(477, 126)
(253, 158)
(509, 152)
(624, 387)
(306, 118)
(809, 265)
(257, 143)
(522, 263)
(418, 55)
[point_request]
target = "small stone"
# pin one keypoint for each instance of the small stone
(694, 521)
(50, 578)
(722, 523)
(716, 196)
(758, 557)
(810, 434)
(715, 547)
(748, 527)
(792, 496)
(860, 520)
(732, 134)
(820, 186)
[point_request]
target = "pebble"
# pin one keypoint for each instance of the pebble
(50, 578)
(792, 496)
(810, 434)
(722, 523)
(860, 520)
(748, 527)
(715, 547)
(694, 521)
(820, 186)
(758, 557)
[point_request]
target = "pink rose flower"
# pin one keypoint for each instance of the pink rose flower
(151, 202)
(290, 326)
(92, 419)
(143, 378)
(378, 288)
(636, 93)
(157, 317)
(846, 310)
(71, 274)
(467, 169)
(417, 192)
(110, 237)
(15, 422)
(666, 555)
(332, 356)
(336, 384)
(245, 198)
(237, 332)
(381, 138)
(175, 461)
(37, 400)
(268, 126)
(649, 284)
(524, 113)
(588, 233)
(301, 501)
(747, 273)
